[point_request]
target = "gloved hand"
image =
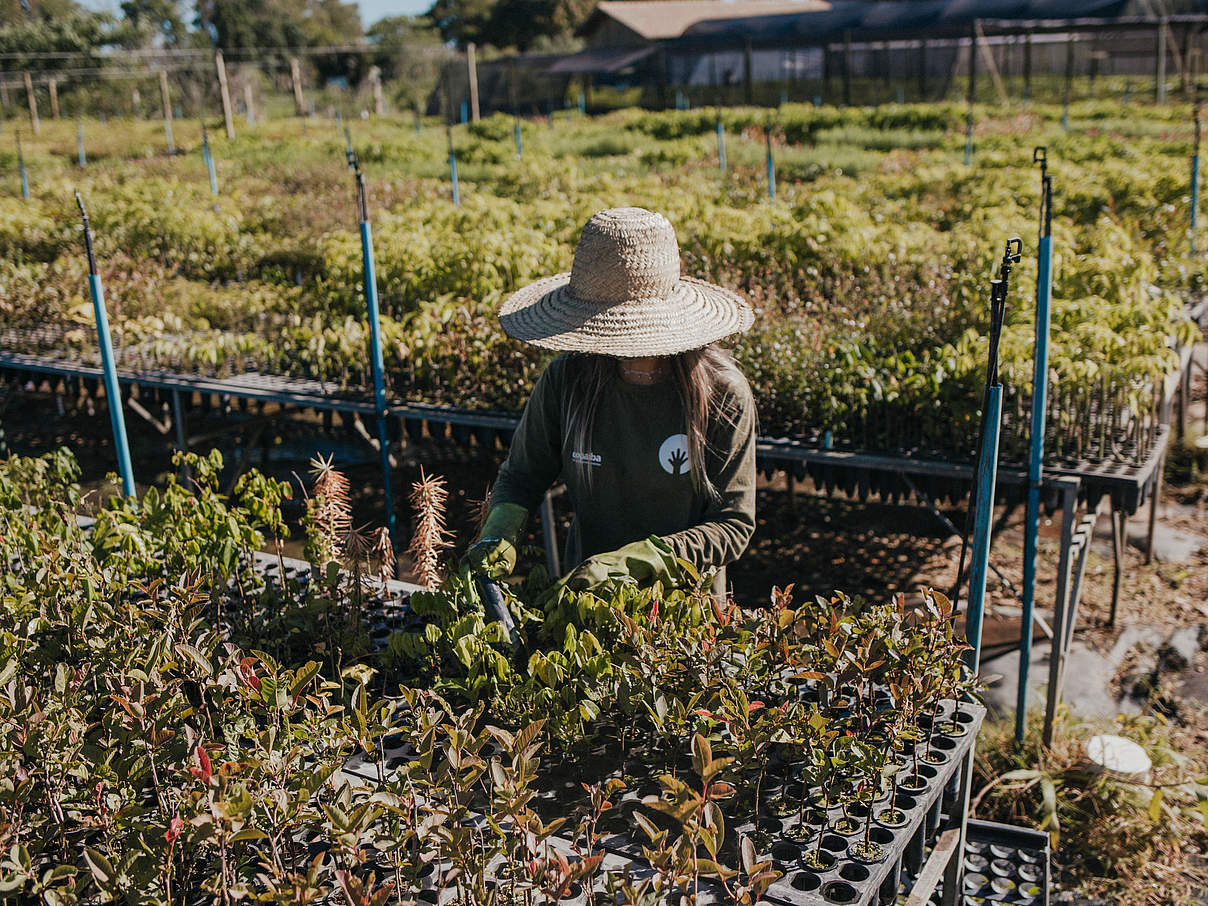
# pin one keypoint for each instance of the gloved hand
(645, 561)
(494, 553)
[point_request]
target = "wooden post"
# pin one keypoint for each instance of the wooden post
(1160, 75)
(748, 74)
(4, 96)
(166, 97)
(53, 86)
(228, 117)
(249, 103)
(295, 78)
(375, 83)
(34, 124)
(472, 72)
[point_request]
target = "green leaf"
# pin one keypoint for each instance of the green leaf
(1155, 806)
(102, 869)
(304, 675)
(200, 661)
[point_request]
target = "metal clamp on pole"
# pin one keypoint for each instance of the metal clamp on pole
(1040, 382)
(113, 395)
(369, 271)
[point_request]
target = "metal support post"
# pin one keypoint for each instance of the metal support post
(987, 474)
(81, 158)
(209, 159)
(453, 168)
(1040, 380)
(519, 139)
(1195, 176)
(1119, 522)
(113, 394)
(52, 85)
(1069, 500)
(721, 145)
(21, 168)
(767, 136)
(375, 350)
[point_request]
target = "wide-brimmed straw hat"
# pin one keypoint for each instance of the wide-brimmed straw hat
(624, 295)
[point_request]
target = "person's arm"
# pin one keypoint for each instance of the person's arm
(728, 522)
(535, 458)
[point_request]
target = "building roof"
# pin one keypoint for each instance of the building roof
(660, 20)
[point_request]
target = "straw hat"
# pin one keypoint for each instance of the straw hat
(624, 295)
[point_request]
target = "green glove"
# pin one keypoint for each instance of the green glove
(647, 561)
(494, 553)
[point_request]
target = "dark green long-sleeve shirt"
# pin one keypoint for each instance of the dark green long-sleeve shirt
(635, 479)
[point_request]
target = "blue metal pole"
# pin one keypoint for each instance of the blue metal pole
(1195, 175)
(1195, 196)
(582, 104)
(519, 139)
(968, 138)
(80, 145)
(113, 394)
(209, 159)
(987, 477)
(453, 171)
(771, 168)
(721, 145)
(21, 168)
(1040, 389)
(1040, 368)
(465, 111)
(375, 354)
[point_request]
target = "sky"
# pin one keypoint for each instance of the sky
(371, 10)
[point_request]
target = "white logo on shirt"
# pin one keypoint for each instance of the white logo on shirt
(585, 459)
(673, 455)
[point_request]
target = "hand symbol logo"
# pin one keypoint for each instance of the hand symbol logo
(673, 454)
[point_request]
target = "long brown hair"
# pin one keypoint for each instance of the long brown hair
(698, 376)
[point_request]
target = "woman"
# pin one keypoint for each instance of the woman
(650, 425)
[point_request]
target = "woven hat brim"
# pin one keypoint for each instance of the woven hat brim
(694, 314)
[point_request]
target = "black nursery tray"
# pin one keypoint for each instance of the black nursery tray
(850, 881)
(1005, 864)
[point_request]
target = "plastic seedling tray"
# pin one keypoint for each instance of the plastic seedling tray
(1005, 864)
(847, 881)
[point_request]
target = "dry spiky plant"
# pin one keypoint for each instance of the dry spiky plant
(383, 553)
(479, 509)
(428, 496)
(329, 510)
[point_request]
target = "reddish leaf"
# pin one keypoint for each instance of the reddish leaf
(201, 770)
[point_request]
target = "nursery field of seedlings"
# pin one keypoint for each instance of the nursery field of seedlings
(868, 269)
(182, 727)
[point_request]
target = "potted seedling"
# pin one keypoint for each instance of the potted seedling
(815, 737)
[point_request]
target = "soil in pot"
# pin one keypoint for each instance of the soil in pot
(892, 817)
(866, 852)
